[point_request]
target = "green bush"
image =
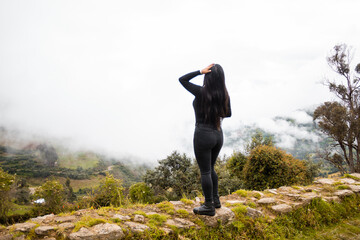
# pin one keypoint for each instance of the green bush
(236, 164)
(174, 176)
(269, 167)
(53, 193)
(140, 192)
(6, 180)
(109, 192)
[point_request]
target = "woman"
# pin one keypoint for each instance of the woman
(211, 105)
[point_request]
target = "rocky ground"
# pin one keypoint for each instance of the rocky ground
(117, 223)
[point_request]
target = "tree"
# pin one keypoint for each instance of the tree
(53, 193)
(6, 181)
(69, 192)
(236, 163)
(259, 139)
(228, 182)
(22, 192)
(140, 192)
(109, 192)
(176, 175)
(340, 120)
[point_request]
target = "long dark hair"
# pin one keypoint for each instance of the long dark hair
(215, 97)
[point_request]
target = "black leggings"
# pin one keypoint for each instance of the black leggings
(207, 144)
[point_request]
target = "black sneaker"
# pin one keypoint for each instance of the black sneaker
(217, 203)
(205, 209)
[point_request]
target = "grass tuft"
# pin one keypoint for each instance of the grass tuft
(87, 221)
(242, 193)
(240, 211)
(187, 201)
(182, 213)
(167, 207)
(342, 187)
(157, 219)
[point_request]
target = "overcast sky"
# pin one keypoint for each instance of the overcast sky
(104, 74)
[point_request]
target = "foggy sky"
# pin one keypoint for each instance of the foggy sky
(104, 74)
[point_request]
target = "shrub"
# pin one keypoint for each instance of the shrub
(175, 175)
(140, 192)
(109, 192)
(236, 164)
(269, 167)
(53, 193)
(6, 180)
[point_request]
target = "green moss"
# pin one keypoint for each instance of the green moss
(242, 193)
(167, 207)
(239, 211)
(351, 176)
(251, 204)
(157, 219)
(342, 187)
(187, 201)
(140, 213)
(256, 195)
(182, 213)
(87, 221)
(337, 183)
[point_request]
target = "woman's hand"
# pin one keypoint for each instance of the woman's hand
(207, 69)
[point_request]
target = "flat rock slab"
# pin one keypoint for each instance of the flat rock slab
(223, 214)
(67, 225)
(253, 213)
(293, 196)
(285, 189)
(310, 195)
(139, 218)
(273, 191)
(347, 181)
(180, 223)
(325, 181)
(44, 230)
(177, 203)
(267, 201)
(44, 219)
(236, 201)
(121, 217)
(136, 227)
(357, 175)
(24, 227)
(332, 199)
(355, 188)
(65, 219)
(343, 193)
(98, 232)
(282, 208)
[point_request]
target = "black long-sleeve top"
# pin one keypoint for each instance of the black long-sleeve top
(196, 91)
